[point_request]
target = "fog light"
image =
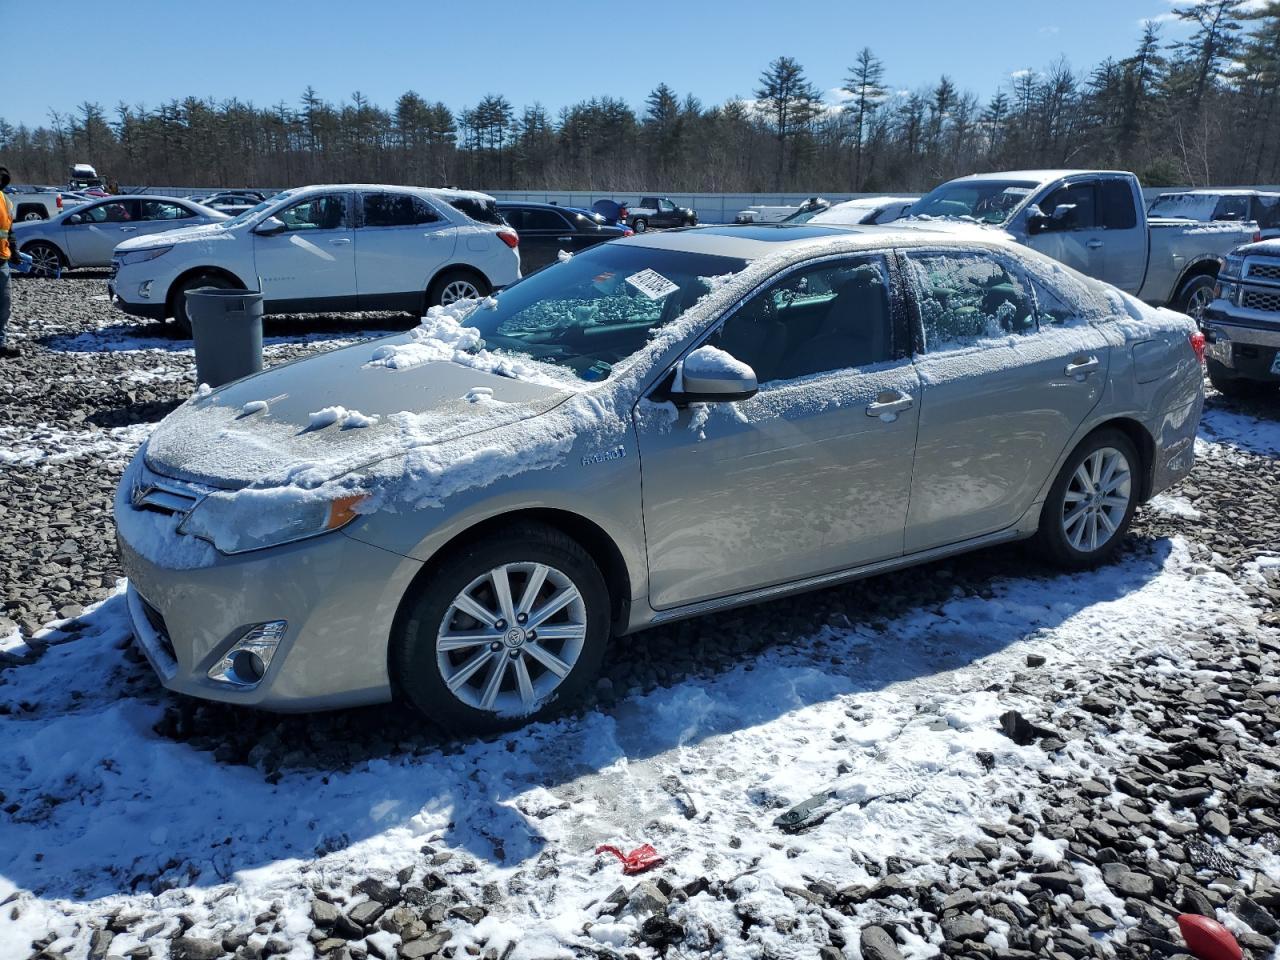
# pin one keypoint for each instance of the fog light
(144, 289)
(246, 663)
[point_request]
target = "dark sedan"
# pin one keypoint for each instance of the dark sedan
(545, 229)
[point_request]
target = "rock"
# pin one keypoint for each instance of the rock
(377, 890)
(323, 914)
(660, 931)
(1254, 915)
(99, 944)
(195, 948)
(645, 899)
(963, 927)
(1127, 883)
(470, 914)
(828, 952)
(1036, 660)
(1021, 730)
(424, 946)
(1215, 823)
(876, 944)
(1059, 881)
(365, 914)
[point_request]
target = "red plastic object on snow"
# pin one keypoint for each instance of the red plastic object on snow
(1208, 939)
(638, 860)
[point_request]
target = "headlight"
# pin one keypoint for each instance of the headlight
(254, 519)
(1226, 290)
(142, 256)
(1233, 267)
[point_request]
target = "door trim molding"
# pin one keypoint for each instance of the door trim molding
(835, 577)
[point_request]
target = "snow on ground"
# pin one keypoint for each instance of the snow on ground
(1172, 505)
(1239, 432)
(889, 716)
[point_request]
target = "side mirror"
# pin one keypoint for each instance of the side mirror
(1063, 211)
(709, 375)
(270, 227)
(74, 219)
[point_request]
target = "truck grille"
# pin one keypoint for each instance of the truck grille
(1259, 300)
(1269, 271)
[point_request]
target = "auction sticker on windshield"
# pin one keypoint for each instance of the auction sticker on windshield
(652, 284)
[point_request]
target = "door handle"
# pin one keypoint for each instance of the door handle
(128, 229)
(889, 404)
(338, 240)
(1079, 367)
(1094, 244)
(564, 239)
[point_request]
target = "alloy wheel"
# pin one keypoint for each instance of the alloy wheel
(1096, 499)
(1200, 298)
(457, 290)
(44, 260)
(511, 637)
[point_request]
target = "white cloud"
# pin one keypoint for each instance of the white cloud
(1048, 31)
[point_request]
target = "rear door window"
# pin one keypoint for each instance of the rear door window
(1119, 211)
(478, 209)
(396, 210)
(164, 210)
(1232, 208)
(547, 220)
(968, 297)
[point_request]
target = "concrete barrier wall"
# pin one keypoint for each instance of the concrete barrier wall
(710, 207)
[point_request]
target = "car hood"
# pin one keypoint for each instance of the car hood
(954, 228)
(1263, 248)
(328, 415)
(201, 232)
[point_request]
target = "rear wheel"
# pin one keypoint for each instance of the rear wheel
(640, 225)
(46, 259)
(1195, 295)
(1091, 503)
(181, 319)
(31, 214)
(455, 285)
(508, 629)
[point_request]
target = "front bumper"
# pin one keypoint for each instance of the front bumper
(1246, 348)
(339, 596)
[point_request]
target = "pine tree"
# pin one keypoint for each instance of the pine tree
(865, 84)
(788, 102)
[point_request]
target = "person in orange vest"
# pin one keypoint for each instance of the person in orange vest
(8, 254)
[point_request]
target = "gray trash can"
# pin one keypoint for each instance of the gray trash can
(226, 327)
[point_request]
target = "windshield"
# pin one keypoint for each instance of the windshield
(982, 201)
(805, 214)
(246, 215)
(597, 309)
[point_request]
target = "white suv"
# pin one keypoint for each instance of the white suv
(328, 248)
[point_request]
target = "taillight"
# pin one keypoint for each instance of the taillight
(59, 200)
(509, 237)
(1257, 236)
(1197, 345)
(628, 232)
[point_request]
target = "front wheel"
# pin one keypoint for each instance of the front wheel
(1195, 295)
(510, 628)
(46, 261)
(182, 319)
(1091, 503)
(640, 225)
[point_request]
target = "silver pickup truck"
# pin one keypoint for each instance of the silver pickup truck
(1096, 222)
(1242, 323)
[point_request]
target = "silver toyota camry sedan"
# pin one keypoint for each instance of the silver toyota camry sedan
(464, 514)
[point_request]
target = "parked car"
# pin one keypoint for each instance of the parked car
(864, 210)
(788, 213)
(71, 198)
(1095, 221)
(612, 211)
(660, 427)
(546, 229)
(1208, 206)
(659, 212)
(232, 202)
(33, 203)
(331, 247)
(82, 176)
(85, 235)
(1242, 323)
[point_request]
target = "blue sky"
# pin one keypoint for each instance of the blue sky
(553, 51)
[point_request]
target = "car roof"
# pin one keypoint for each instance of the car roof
(447, 193)
(754, 241)
(1038, 176)
(142, 196)
(1225, 192)
(507, 204)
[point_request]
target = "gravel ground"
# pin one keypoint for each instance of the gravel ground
(1183, 825)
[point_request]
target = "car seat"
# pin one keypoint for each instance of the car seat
(853, 332)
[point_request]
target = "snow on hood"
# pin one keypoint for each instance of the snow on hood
(1263, 248)
(196, 234)
(957, 228)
